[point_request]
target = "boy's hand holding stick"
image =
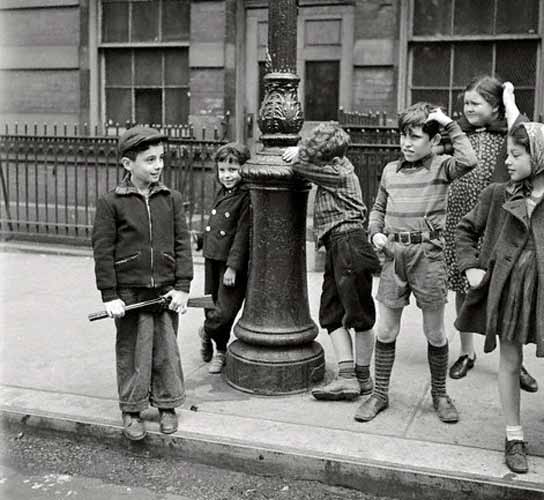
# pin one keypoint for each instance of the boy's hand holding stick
(204, 301)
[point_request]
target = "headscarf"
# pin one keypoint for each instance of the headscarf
(535, 131)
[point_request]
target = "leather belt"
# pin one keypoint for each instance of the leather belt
(415, 237)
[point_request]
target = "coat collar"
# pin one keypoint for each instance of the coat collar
(227, 193)
(518, 208)
(126, 187)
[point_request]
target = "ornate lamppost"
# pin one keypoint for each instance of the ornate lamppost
(275, 352)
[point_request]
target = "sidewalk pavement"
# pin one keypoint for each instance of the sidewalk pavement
(58, 373)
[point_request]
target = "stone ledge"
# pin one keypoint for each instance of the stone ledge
(376, 464)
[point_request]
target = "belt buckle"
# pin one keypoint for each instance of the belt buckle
(405, 237)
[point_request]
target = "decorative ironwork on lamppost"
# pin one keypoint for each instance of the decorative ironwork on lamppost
(275, 351)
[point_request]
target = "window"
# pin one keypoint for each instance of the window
(321, 90)
(145, 57)
(453, 41)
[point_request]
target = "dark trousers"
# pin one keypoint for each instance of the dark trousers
(346, 297)
(148, 359)
(228, 302)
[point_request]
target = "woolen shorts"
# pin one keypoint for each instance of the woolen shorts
(346, 297)
(415, 268)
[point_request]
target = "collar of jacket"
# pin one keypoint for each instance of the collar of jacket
(241, 186)
(422, 162)
(126, 187)
(517, 206)
(495, 127)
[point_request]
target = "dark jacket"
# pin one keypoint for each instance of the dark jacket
(226, 237)
(139, 242)
(505, 228)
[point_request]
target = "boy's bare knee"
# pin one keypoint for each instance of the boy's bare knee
(387, 333)
(436, 338)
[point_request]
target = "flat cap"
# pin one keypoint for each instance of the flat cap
(138, 135)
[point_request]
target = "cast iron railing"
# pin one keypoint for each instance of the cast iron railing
(51, 178)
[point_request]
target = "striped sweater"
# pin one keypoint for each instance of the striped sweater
(409, 192)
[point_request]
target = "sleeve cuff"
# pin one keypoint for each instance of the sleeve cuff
(372, 230)
(183, 286)
(109, 294)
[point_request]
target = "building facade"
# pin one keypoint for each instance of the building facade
(102, 62)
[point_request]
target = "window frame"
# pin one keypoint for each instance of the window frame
(407, 42)
(163, 46)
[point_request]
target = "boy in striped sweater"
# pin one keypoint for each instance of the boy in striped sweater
(406, 224)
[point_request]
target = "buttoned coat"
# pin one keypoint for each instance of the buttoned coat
(505, 227)
(226, 237)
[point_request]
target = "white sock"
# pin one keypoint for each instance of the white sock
(514, 432)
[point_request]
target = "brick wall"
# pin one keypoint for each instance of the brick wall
(39, 68)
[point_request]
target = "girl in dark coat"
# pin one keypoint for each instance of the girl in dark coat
(506, 275)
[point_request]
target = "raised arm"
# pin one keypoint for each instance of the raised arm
(511, 110)
(463, 158)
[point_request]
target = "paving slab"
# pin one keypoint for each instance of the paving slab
(59, 369)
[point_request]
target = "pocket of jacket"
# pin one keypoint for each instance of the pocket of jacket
(170, 260)
(125, 260)
(483, 283)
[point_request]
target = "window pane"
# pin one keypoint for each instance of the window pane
(436, 97)
(520, 16)
(176, 20)
(118, 105)
(321, 90)
(147, 67)
(176, 67)
(431, 65)
(118, 68)
(177, 106)
(471, 60)
(432, 17)
(516, 61)
(473, 17)
(148, 106)
(115, 22)
(525, 100)
(145, 17)
(457, 102)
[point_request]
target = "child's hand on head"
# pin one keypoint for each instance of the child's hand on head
(439, 116)
(508, 93)
(475, 276)
(507, 88)
(290, 154)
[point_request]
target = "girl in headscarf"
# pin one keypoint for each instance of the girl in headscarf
(489, 110)
(506, 274)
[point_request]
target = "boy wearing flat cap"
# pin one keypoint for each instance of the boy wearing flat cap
(142, 250)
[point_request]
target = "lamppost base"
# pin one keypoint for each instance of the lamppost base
(274, 371)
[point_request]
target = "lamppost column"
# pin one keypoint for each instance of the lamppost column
(275, 351)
